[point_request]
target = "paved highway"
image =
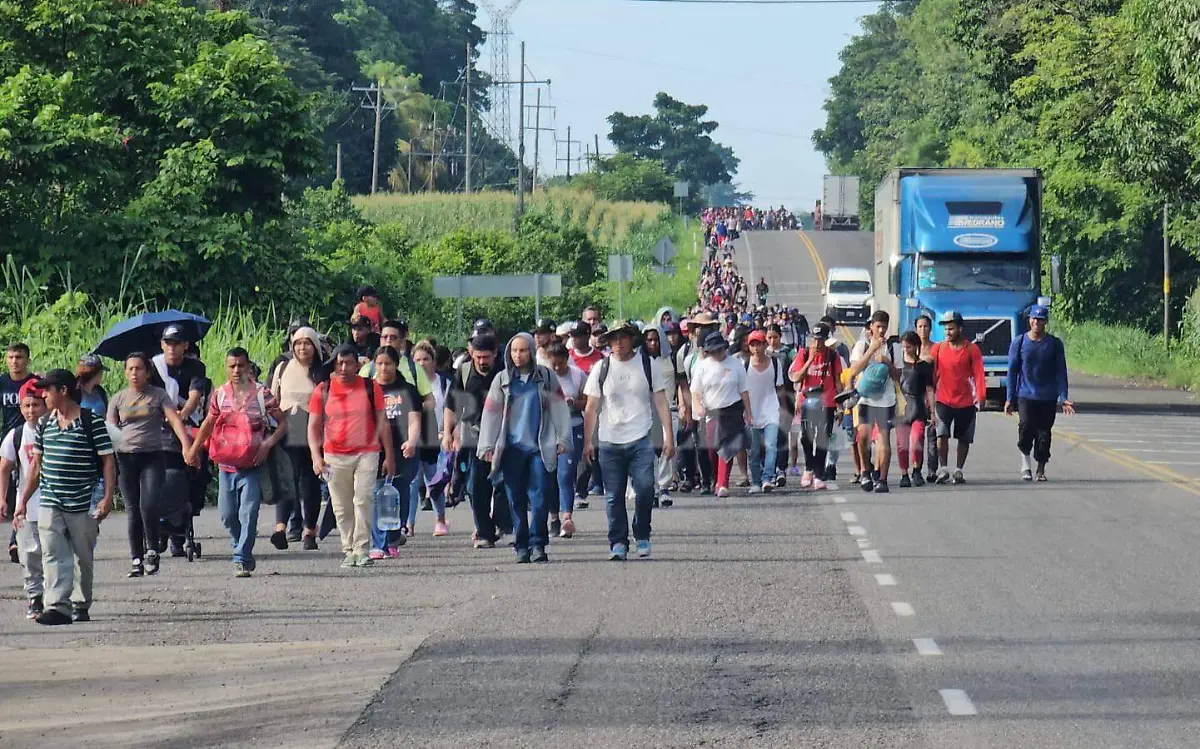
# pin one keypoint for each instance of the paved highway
(995, 615)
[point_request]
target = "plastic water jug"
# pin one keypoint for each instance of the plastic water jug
(387, 500)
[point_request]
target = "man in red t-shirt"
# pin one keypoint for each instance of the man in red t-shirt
(816, 367)
(346, 427)
(960, 390)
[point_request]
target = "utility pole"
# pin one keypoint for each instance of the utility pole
(1166, 280)
(374, 101)
(597, 152)
(338, 169)
(568, 152)
(432, 153)
(569, 143)
(521, 140)
(537, 138)
(468, 183)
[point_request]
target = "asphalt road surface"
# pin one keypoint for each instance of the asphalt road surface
(995, 614)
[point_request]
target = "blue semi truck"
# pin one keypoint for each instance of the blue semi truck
(966, 240)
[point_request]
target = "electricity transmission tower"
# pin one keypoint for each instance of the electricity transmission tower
(501, 13)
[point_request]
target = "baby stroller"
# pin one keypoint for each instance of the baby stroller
(183, 497)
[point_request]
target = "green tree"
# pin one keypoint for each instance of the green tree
(627, 177)
(678, 137)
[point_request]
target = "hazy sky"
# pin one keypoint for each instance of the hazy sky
(762, 70)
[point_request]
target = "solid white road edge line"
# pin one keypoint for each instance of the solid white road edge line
(903, 609)
(926, 646)
(957, 702)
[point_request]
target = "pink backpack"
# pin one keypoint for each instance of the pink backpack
(234, 442)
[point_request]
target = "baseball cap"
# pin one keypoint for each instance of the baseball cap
(30, 388)
(57, 378)
(361, 322)
(175, 333)
(484, 324)
(671, 327)
(1039, 312)
(951, 316)
(581, 328)
(92, 361)
(820, 331)
(544, 325)
(756, 336)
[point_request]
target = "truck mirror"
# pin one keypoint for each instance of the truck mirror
(894, 276)
(1056, 274)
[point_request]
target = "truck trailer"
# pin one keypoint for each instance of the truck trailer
(961, 239)
(839, 203)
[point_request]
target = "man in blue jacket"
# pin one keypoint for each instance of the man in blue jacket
(1037, 382)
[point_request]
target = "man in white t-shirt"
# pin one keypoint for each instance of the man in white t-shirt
(29, 547)
(720, 383)
(764, 380)
(875, 414)
(621, 392)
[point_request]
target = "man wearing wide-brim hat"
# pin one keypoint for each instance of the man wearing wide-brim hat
(622, 391)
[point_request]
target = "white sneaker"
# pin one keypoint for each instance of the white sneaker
(768, 486)
(818, 484)
(722, 492)
(754, 490)
(806, 480)
(958, 477)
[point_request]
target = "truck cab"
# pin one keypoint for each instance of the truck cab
(966, 240)
(849, 297)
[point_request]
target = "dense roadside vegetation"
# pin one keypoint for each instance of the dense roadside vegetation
(1102, 95)
(167, 154)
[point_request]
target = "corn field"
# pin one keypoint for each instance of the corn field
(429, 217)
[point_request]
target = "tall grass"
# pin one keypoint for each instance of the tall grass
(60, 331)
(428, 217)
(1129, 353)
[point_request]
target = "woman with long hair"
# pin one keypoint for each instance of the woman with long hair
(425, 357)
(142, 411)
(292, 385)
(402, 407)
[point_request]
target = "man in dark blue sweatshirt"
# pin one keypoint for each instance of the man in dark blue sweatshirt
(1037, 382)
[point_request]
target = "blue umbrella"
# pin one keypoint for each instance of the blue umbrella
(143, 332)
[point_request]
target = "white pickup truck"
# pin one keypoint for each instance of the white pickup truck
(849, 297)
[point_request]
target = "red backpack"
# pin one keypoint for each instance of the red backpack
(234, 441)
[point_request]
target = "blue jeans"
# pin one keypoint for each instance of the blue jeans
(763, 445)
(421, 477)
(525, 478)
(620, 465)
(239, 496)
(568, 467)
(406, 472)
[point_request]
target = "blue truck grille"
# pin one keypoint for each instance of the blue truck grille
(992, 339)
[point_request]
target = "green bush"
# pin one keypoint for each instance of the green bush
(1191, 322)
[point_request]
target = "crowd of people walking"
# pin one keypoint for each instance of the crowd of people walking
(361, 436)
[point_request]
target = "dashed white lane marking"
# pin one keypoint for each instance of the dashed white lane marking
(926, 646)
(863, 543)
(857, 530)
(839, 500)
(871, 556)
(903, 609)
(849, 517)
(957, 702)
(885, 580)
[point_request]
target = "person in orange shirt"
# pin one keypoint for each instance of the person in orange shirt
(368, 306)
(960, 391)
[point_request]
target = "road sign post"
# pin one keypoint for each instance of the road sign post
(536, 285)
(620, 269)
